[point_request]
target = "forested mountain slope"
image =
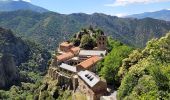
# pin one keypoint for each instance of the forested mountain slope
(162, 15)
(17, 55)
(13, 5)
(51, 28)
(145, 74)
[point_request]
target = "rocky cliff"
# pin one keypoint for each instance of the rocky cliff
(13, 45)
(8, 72)
(19, 56)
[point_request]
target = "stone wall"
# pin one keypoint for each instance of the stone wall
(85, 89)
(64, 81)
(93, 93)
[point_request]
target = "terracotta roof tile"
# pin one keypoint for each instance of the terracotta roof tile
(75, 50)
(89, 62)
(66, 44)
(65, 56)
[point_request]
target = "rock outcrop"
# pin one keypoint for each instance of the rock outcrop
(13, 45)
(8, 72)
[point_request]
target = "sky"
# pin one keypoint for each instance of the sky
(110, 7)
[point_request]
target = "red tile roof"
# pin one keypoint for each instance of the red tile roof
(66, 44)
(75, 50)
(89, 62)
(65, 56)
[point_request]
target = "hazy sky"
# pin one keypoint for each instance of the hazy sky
(111, 7)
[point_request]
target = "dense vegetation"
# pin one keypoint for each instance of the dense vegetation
(13, 5)
(109, 67)
(86, 38)
(146, 74)
(26, 64)
(25, 52)
(51, 28)
(141, 74)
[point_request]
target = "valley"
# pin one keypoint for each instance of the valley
(46, 55)
(49, 29)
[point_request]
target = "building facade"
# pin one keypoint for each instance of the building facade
(91, 85)
(102, 42)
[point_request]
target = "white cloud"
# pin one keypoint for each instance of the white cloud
(120, 15)
(128, 2)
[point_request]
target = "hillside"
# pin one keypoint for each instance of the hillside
(145, 73)
(8, 72)
(18, 58)
(51, 28)
(23, 51)
(162, 15)
(137, 74)
(12, 5)
(12, 45)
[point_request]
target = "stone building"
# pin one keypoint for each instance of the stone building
(72, 52)
(64, 74)
(89, 64)
(64, 57)
(89, 53)
(91, 85)
(102, 42)
(65, 47)
(74, 68)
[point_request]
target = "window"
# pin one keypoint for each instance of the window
(91, 79)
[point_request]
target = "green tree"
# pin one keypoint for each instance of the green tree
(145, 74)
(87, 42)
(112, 63)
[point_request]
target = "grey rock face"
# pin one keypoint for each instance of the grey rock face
(8, 72)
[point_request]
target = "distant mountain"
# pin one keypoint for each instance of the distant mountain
(162, 15)
(51, 28)
(12, 5)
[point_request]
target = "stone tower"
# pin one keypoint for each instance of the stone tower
(101, 42)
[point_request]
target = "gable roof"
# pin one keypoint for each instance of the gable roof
(92, 53)
(65, 56)
(66, 44)
(75, 50)
(68, 67)
(90, 78)
(89, 62)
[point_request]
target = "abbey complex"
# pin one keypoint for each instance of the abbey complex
(74, 68)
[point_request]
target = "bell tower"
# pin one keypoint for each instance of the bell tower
(101, 42)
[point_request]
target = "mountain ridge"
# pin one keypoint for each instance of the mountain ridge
(50, 28)
(10, 5)
(162, 15)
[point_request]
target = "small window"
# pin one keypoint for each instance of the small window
(91, 79)
(86, 75)
(89, 76)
